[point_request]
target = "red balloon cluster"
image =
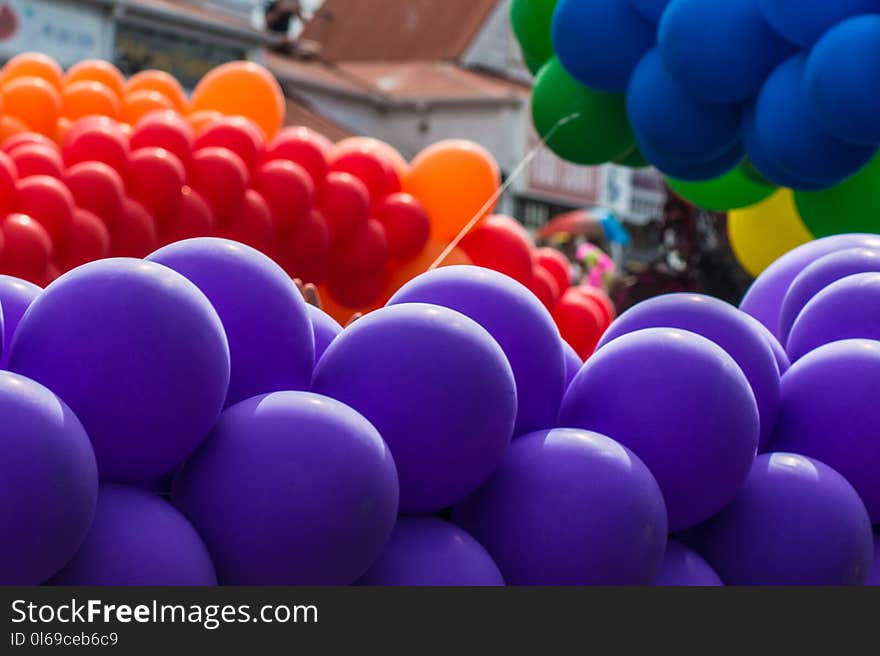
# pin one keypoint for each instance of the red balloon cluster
(326, 213)
(582, 313)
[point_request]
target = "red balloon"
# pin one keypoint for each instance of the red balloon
(155, 177)
(303, 250)
(365, 252)
(502, 244)
(356, 290)
(252, 225)
(221, 178)
(304, 147)
(89, 241)
(557, 264)
(27, 139)
(134, 233)
(345, 201)
(579, 321)
(406, 223)
(49, 202)
(288, 190)
(96, 139)
(374, 171)
(28, 248)
(165, 129)
(8, 178)
(97, 188)
(238, 134)
(600, 298)
(544, 286)
(37, 159)
(190, 218)
(51, 274)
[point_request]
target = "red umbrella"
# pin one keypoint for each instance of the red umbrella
(578, 222)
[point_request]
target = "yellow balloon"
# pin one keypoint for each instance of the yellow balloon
(762, 233)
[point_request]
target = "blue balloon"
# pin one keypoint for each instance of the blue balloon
(791, 136)
(325, 329)
(573, 363)
(600, 42)
(520, 324)
(765, 165)
(804, 23)
(719, 50)
(673, 122)
(16, 296)
(264, 315)
(843, 78)
(694, 171)
(650, 9)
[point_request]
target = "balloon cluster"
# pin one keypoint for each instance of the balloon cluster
(95, 165)
(768, 92)
(582, 313)
(187, 419)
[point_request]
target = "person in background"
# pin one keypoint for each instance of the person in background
(280, 14)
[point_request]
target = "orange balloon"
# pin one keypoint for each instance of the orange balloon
(11, 126)
(382, 149)
(137, 104)
(242, 88)
(90, 98)
(200, 120)
(34, 102)
(402, 274)
(34, 64)
(162, 82)
(61, 128)
(454, 180)
(97, 70)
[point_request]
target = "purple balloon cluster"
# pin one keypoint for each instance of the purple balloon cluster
(188, 420)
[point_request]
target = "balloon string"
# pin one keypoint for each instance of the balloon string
(514, 175)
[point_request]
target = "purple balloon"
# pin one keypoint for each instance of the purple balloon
(138, 539)
(424, 551)
(138, 353)
(325, 329)
(271, 344)
(16, 296)
(782, 362)
(569, 507)
(723, 324)
(818, 275)
(290, 488)
(573, 363)
(874, 577)
(517, 320)
(829, 412)
(49, 482)
(682, 404)
(795, 521)
(765, 297)
(438, 388)
(685, 568)
(846, 309)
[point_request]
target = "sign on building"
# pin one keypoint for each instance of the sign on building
(67, 31)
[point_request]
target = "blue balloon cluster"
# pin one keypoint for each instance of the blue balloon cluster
(787, 84)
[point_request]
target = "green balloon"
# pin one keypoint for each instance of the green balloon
(532, 24)
(595, 129)
(733, 190)
(851, 206)
(633, 159)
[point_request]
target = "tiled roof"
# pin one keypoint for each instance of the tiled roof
(397, 30)
(395, 83)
